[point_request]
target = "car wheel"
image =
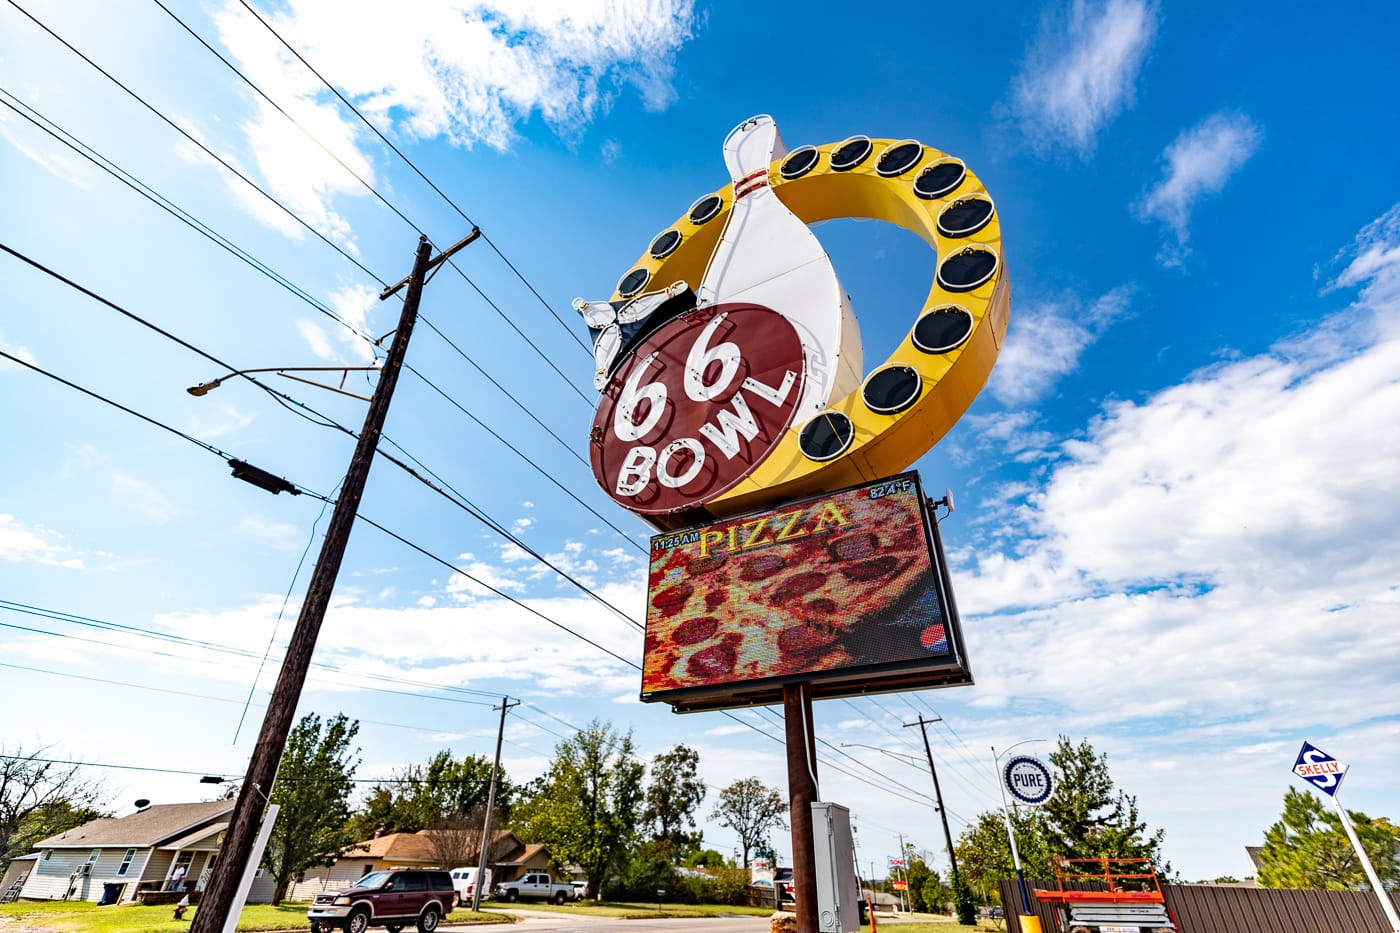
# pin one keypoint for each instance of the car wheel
(357, 922)
(512, 895)
(560, 897)
(428, 920)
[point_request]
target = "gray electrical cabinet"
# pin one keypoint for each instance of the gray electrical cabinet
(837, 891)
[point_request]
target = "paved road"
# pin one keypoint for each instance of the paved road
(531, 921)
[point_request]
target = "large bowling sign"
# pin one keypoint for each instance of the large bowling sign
(729, 357)
(845, 592)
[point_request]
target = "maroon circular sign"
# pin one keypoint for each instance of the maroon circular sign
(696, 406)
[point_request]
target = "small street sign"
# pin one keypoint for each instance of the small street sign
(1319, 769)
(1027, 779)
(900, 885)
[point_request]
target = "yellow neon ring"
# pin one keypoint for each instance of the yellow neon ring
(883, 444)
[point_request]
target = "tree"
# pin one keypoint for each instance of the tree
(313, 789)
(587, 807)
(442, 792)
(927, 892)
(41, 798)
(673, 795)
(984, 852)
(752, 810)
(1088, 817)
(1307, 848)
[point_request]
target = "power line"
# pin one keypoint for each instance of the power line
(506, 596)
(419, 172)
(148, 192)
(203, 148)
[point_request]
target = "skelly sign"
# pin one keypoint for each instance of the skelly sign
(729, 358)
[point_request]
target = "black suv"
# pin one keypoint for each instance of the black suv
(389, 899)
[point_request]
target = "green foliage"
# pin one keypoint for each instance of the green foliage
(673, 795)
(422, 796)
(752, 810)
(984, 853)
(650, 870)
(1088, 817)
(927, 892)
(39, 799)
(313, 789)
(964, 904)
(587, 807)
(1307, 848)
(708, 858)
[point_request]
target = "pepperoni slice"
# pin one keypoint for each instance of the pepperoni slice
(760, 567)
(800, 639)
(694, 631)
(714, 661)
(872, 569)
(855, 546)
(709, 564)
(671, 599)
(797, 586)
(822, 606)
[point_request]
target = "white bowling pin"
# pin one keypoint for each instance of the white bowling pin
(767, 256)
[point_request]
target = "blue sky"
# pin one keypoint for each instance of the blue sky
(1177, 498)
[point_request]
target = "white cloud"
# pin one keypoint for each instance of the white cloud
(315, 336)
(1080, 71)
(1219, 539)
(1198, 163)
(468, 71)
(1375, 265)
(20, 543)
(16, 350)
(282, 535)
(1046, 343)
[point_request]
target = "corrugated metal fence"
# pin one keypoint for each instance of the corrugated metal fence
(1209, 908)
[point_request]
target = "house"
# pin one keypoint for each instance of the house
(116, 860)
(511, 858)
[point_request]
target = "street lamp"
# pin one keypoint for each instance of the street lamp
(286, 372)
(1010, 832)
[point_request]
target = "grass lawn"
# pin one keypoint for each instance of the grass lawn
(636, 911)
(87, 917)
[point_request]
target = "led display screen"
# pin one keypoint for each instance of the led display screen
(844, 591)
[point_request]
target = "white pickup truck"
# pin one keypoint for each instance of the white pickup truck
(538, 885)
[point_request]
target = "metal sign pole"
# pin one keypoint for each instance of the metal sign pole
(1011, 834)
(1376, 886)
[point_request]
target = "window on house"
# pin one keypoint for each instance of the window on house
(48, 854)
(126, 861)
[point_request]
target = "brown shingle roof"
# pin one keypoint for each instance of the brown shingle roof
(393, 846)
(413, 846)
(148, 827)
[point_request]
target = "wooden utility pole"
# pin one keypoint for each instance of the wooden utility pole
(802, 793)
(942, 811)
(219, 898)
(483, 862)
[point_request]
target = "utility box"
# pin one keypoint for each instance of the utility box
(837, 891)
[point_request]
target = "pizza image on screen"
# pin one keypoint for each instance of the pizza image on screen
(840, 581)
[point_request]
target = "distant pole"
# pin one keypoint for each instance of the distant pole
(490, 806)
(938, 793)
(217, 901)
(904, 895)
